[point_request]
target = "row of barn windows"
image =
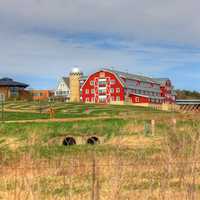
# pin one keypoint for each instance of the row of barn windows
(146, 92)
(155, 101)
(112, 90)
(103, 82)
(137, 100)
(103, 99)
(103, 91)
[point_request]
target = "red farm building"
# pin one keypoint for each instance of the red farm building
(110, 86)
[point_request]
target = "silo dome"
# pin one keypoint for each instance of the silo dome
(76, 70)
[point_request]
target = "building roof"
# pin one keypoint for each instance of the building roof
(133, 76)
(11, 83)
(66, 80)
(162, 81)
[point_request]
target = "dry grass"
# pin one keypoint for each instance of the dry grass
(164, 166)
(172, 173)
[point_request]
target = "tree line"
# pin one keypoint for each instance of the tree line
(186, 94)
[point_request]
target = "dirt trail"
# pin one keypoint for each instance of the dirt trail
(62, 119)
(23, 111)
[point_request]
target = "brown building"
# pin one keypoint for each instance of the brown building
(41, 95)
(12, 89)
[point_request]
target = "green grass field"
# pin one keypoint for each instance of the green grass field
(129, 163)
(21, 110)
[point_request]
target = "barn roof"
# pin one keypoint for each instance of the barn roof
(11, 83)
(162, 81)
(133, 76)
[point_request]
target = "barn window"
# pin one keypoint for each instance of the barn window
(92, 91)
(87, 99)
(91, 83)
(102, 91)
(118, 90)
(102, 82)
(87, 91)
(112, 82)
(137, 99)
(112, 90)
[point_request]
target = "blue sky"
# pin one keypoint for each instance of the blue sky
(42, 40)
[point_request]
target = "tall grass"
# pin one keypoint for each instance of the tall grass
(132, 164)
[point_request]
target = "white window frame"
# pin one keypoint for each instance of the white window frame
(112, 81)
(87, 99)
(118, 90)
(92, 83)
(137, 99)
(112, 90)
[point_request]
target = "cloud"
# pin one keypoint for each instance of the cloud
(145, 20)
(46, 38)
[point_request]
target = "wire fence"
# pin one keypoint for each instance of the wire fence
(95, 178)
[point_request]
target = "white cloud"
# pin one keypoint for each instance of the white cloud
(146, 20)
(34, 36)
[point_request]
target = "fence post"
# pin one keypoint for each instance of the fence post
(153, 127)
(174, 124)
(95, 182)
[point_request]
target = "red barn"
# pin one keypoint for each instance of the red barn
(109, 86)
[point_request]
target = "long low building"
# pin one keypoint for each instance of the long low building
(111, 86)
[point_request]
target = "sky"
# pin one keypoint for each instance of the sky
(42, 40)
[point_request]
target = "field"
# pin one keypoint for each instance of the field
(130, 162)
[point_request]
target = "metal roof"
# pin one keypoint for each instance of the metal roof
(131, 81)
(9, 82)
(133, 76)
